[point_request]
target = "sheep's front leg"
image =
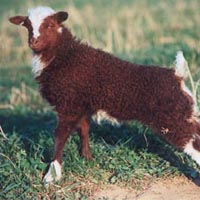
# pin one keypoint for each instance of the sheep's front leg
(84, 135)
(62, 133)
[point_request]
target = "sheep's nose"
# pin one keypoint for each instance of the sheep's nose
(33, 41)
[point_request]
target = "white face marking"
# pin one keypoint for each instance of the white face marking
(54, 172)
(37, 65)
(190, 150)
(37, 15)
(103, 115)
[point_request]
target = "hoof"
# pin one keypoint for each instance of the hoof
(87, 156)
(53, 174)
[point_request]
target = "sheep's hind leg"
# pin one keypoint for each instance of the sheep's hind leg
(84, 135)
(188, 139)
(192, 148)
(62, 133)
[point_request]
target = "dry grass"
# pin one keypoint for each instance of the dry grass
(141, 30)
(139, 25)
(23, 96)
(136, 26)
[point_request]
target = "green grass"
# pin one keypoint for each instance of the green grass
(126, 156)
(149, 32)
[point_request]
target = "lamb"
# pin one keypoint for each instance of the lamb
(80, 81)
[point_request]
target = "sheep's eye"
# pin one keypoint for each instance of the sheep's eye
(48, 26)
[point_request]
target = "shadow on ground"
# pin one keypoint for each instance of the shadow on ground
(32, 127)
(141, 138)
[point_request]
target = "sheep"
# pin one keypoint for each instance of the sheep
(80, 81)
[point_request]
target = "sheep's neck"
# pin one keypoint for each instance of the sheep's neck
(66, 42)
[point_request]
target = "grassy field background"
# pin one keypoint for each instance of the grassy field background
(148, 32)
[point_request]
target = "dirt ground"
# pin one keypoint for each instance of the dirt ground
(169, 189)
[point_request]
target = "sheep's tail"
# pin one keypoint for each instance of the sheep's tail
(182, 70)
(181, 65)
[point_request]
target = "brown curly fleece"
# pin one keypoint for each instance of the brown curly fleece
(79, 80)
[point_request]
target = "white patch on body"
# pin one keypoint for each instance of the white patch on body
(181, 68)
(37, 65)
(190, 150)
(102, 115)
(60, 30)
(54, 173)
(37, 15)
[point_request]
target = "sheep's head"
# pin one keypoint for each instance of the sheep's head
(44, 25)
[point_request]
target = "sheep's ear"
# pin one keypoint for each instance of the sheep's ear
(17, 20)
(61, 16)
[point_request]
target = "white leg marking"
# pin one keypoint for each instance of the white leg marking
(190, 150)
(54, 173)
